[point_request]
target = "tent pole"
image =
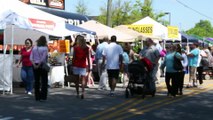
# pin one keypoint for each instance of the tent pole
(187, 44)
(11, 53)
(4, 52)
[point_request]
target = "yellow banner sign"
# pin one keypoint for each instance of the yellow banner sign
(172, 32)
(145, 29)
(64, 46)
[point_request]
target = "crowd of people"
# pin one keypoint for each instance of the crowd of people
(111, 60)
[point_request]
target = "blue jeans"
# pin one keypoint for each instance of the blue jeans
(27, 77)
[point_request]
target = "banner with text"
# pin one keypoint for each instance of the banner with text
(60, 4)
(42, 24)
(172, 32)
(146, 29)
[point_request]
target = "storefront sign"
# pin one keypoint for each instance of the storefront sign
(145, 29)
(56, 4)
(42, 24)
(75, 21)
(47, 3)
(172, 32)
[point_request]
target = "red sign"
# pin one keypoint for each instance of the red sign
(56, 4)
(42, 24)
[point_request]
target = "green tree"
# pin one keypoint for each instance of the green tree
(147, 10)
(202, 29)
(120, 13)
(126, 12)
(136, 12)
(81, 8)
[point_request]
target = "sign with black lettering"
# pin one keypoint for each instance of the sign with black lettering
(59, 4)
(39, 2)
(145, 29)
(172, 32)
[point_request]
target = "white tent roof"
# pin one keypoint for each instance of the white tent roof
(14, 12)
(20, 35)
(103, 31)
(159, 30)
(140, 36)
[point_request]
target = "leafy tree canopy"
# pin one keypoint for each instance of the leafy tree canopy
(81, 8)
(127, 12)
(202, 29)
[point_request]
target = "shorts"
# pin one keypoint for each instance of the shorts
(79, 71)
(113, 73)
(126, 68)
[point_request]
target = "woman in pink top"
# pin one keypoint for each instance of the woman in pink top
(27, 67)
(80, 56)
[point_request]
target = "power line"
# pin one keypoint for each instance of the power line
(194, 10)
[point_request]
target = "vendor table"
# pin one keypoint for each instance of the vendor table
(56, 75)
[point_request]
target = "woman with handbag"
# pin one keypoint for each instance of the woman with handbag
(27, 67)
(171, 72)
(38, 58)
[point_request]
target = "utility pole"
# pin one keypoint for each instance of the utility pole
(109, 6)
(168, 13)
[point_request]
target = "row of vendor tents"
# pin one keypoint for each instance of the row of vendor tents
(20, 21)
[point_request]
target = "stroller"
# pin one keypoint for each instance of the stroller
(139, 80)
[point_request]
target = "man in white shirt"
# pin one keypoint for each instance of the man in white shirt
(113, 56)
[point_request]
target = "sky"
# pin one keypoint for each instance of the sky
(182, 16)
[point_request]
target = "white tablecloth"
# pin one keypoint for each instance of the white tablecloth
(16, 74)
(56, 75)
(5, 72)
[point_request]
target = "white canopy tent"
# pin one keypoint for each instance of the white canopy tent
(140, 36)
(103, 31)
(21, 34)
(16, 13)
(159, 30)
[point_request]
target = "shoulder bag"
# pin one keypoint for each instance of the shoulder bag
(44, 65)
(177, 63)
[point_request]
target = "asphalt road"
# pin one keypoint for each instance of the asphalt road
(195, 104)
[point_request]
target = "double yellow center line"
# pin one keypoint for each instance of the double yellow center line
(133, 107)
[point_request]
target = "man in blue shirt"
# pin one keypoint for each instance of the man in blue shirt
(193, 64)
(99, 59)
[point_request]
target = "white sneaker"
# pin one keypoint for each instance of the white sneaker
(195, 85)
(100, 88)
(29, 93)
(105, 88)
